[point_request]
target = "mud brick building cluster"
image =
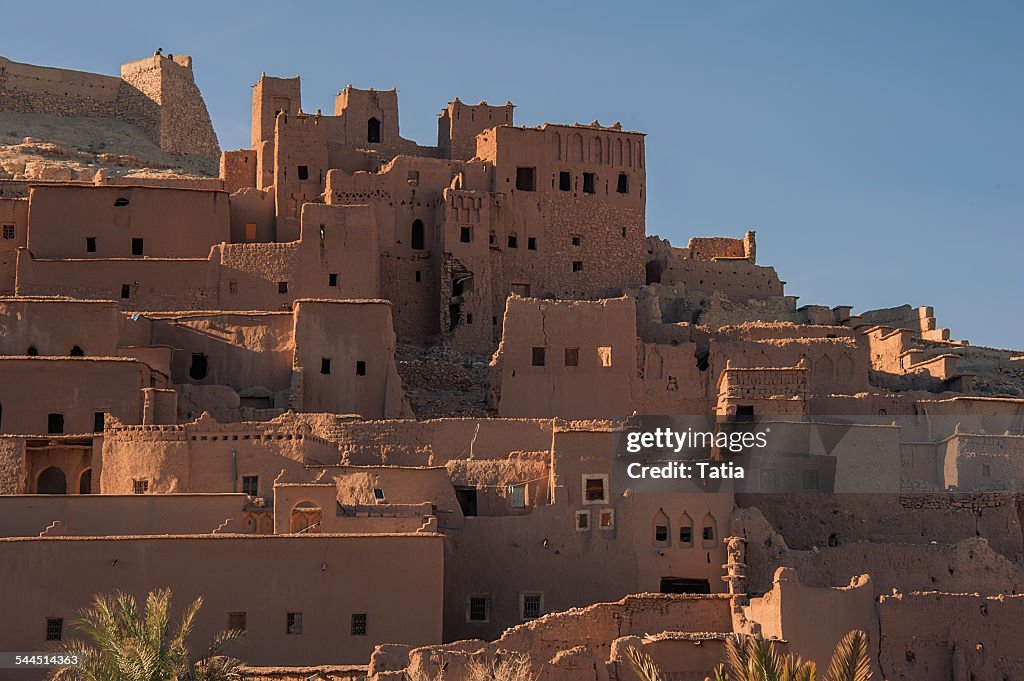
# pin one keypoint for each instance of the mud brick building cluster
(371, 394)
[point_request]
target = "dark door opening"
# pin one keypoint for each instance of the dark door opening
(677, 585)
(467, 501)
(52, 481)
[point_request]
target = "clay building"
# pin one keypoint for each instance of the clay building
(369, 397)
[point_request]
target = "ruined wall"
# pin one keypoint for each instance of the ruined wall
(37, 89)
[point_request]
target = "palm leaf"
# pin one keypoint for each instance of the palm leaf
(850, 661)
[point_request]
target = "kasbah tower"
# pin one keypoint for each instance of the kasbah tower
(367, 398)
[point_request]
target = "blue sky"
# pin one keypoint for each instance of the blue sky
(876, 147)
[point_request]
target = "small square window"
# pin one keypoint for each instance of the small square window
(236, 621)
(140, 486)
(419, 276)
(413, 178)
(709, 533)
(661, 533)
(54, 628)
(465, 234)
(90, 244)
(531, 243)
(293, 623)
(360, 368)
(469, 317)
(378, 494)
(595, 489)
(686, 535)
(588, 183)
(572, 357)
(137, 246)
(492, 239)
(538, 356)
(532, 605)
(55, 424)
(577, 241)
(513, 241)
(97, 421)
(8, 232)
(303, 172)
(325, 365)
(623, 184)
(606, 519)
(332, 279)
(577, 265)
(126, 290)
(359, 624)
(251, 485)
(526, 179)
(582, 521)
(517, 496)
(282, 287)
(564, 181)
(768, 478)
(478, 609)
(604, 355)
(232, 287)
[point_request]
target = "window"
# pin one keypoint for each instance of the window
(467, 501)
(478, 609)
(686, 536)
(517, 496)
(413, 178)
(121, 202)
(661, 533)
(419, 276)
(360, 368)
(32, 351)
(250, 231)
(359, 624)
(595, 489)
(77, 351)
(126, 290)
(303, 172)
(325, 365)
(373, 131)
(531, 605)
(55, 423)
(588, 183)
(769, 478)
(140, 486)
(469, 317)
(90, 244)
(526, 179)
(623, 185)
(606, 519)
(572, 357)
(564, 181)
(236, 621)
(8, 232)
(577, 240)
(332, 280)
(531, 243)
(538, 356)
(282, 287)
(521, 290)
(198, 369)
(577, 265)
(137, 246)
(582, 521)
(604, 355)
(810, 479)
(97, 421)
(418, 235)
(513, 241)
(251, 485)
(465, 234)
(293, 623)
(54, 628)
(233, 287)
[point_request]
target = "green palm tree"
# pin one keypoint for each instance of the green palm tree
(751, 658)
(127, 647)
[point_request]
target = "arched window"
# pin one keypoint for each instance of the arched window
(685, 531)
(199, 366)
(305, 518)
(32, 352)
(418, 237)
(661, 529)
(85, 482)
(77, 352)
(52, 481)
(373, 131)
(709, 532)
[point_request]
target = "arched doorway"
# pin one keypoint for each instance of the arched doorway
(52, 481)
(373, 131)
(418, 236)
(305, 518)
(85, 482)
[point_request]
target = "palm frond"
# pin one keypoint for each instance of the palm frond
(645, 667)
(850, 662)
